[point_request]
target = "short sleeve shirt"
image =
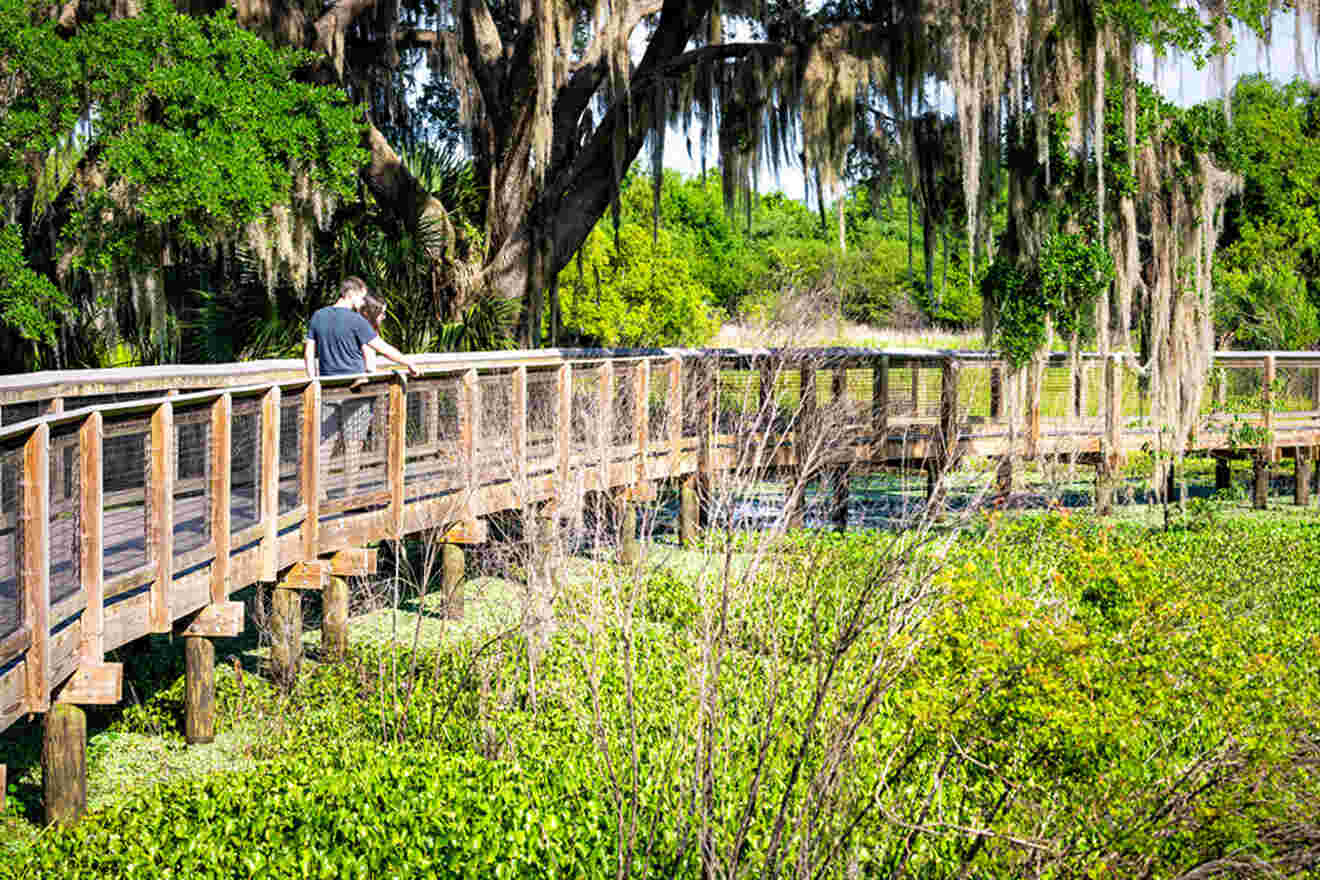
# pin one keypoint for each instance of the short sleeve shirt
(339, 335)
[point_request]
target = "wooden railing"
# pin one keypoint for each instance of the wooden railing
(131, 500)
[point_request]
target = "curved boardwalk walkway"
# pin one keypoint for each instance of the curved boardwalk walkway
(137, 501)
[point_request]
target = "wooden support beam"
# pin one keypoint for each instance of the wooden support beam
(948, 414)
(518, 432)
(285, 635)
(64, 764)
(641, 419)
(880, 401)
(1107, 469)
(354, 562)
(469, 434)
(1302, 476)
(99, 684)
(334, 619)
(91, 549)
(160, 534)
(311, 468)
(765, 393)
(396, 454)
(605, 421)
(311, 575)
(1269, 449)
(674, 414)
(217, 620)
(221, 487)
(199, 690)
(36, 566)
(996, 391)
(629, 551)
(689, 512)
(709, 373)
(1033, 410)
(804, 436)
(452, 564)
(564, 424)
(270, 484)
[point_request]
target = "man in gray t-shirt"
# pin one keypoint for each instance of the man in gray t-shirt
(337, 340)
(338, 337)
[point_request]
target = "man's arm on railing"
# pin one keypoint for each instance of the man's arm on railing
(389, 351)
(309, 356)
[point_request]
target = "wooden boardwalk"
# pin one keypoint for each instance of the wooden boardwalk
(137, 501)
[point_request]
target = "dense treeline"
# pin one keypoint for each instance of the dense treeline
(208, 233)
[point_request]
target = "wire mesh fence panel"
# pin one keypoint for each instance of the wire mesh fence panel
(737, 399)
(353, 427)
(1056, 393)
(1294, 387)
(192, 478)
(586, 411)
(974, 393)
(245, 465)
(11, 546)
(494, 453)
(125, 465)
(657, 401)
(431, 440)
(623, 419)
(13, 413)
(697, 380)
(542, 387)
(65, 514)
(291, 430)
(1243, 388)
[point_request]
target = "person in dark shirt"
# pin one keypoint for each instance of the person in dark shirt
(338, 343)
(338, 337)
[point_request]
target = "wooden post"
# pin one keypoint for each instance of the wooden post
(1005, 476)
(1223, 474)
(1265, 455)
(880, 405)
(605, 422)
(270, 483)
(452, 566)
(64, 764)
(996, 392)
(804, 440)
(709, 391)
(1083, 390)
(396, 454)
(469, 435)
(564, 424)
(674, 415)
(221, 476)
(948, 414)
(518, 433)
(199, 690)
(1034, 376)
(334, 618)
(689, 512)
(285, 635)
(91, 512)
(1270, 450)
(629, 551)
(765, 393)
(641, 419)
(160, 535)
(1302, 476)
(311, 468)
(36, 566)
(915, 367)
(1110, 453)
(839, 473)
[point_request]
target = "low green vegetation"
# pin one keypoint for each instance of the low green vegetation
(1130, 701)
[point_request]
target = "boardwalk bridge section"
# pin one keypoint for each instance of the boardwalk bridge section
(137, 501)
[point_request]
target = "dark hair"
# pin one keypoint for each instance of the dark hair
(373, 310)
(351, 284)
